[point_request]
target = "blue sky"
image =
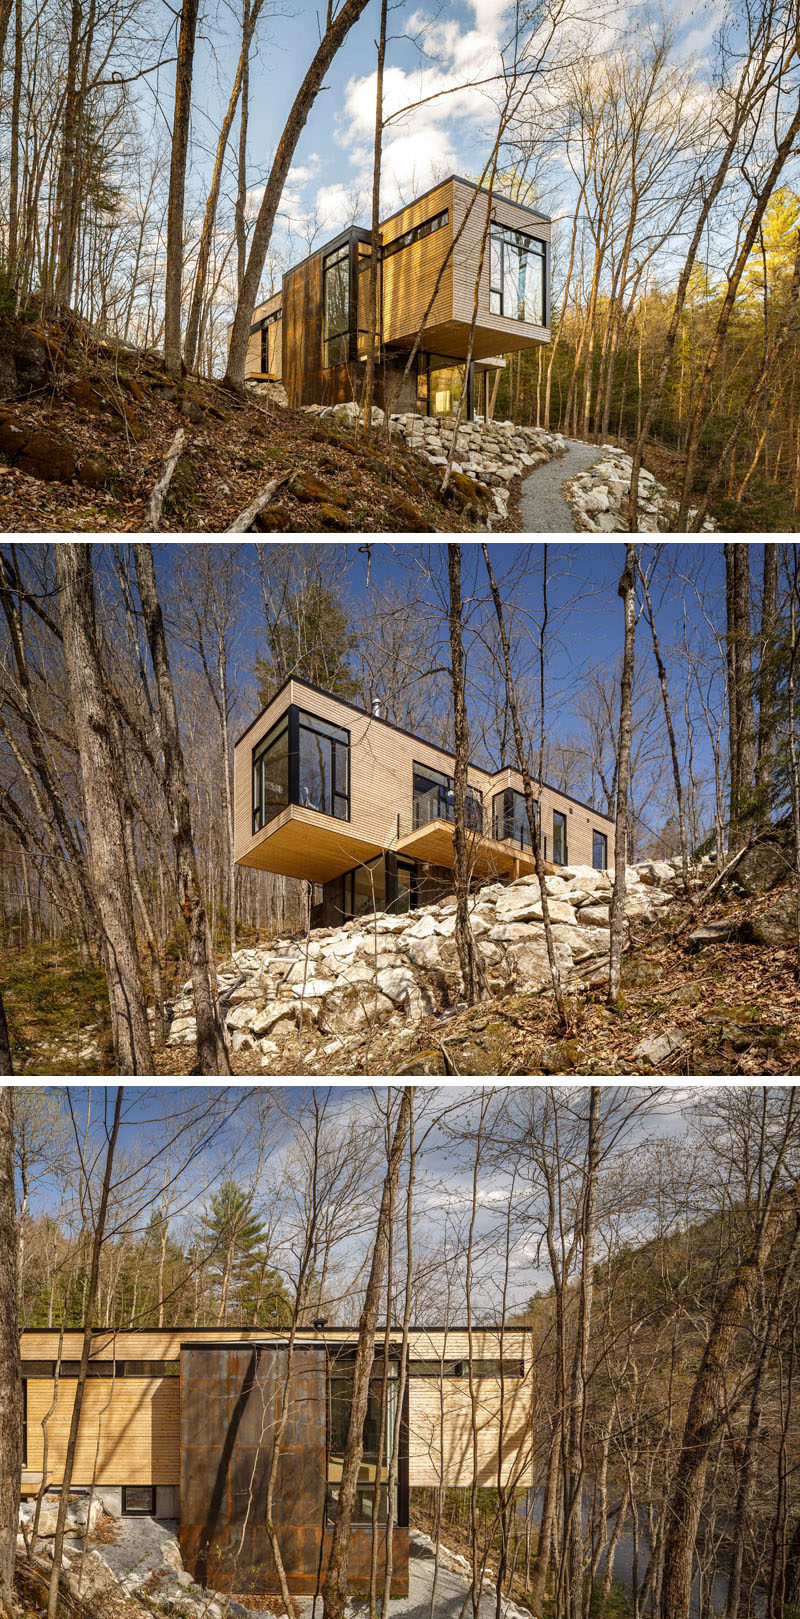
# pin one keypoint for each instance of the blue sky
(434, 46)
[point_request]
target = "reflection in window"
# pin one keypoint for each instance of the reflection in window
(271, 774)
(559, 838)
(599, 851)
(374, 1470)
(336, 305)
(434, 799)
(510, 818)
(369, 888)
(324, 752)
(517, 269)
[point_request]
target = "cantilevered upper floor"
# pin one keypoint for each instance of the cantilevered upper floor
(315, 333)
(325, 791)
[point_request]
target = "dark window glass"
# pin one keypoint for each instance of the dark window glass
(416, 233)
(405, 889)
(336, 306)
(599, 851)
(369, 887)
(434, 799)
(559, 838)
(271, 775)
(518, 267)
(323, 766)
(374, 1468)
(24, 1422)
(510, 818)
(138, 1500)
(460, 1368)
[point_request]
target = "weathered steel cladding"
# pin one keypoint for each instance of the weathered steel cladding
(230, 1405)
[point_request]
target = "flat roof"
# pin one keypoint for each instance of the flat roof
(412, 735)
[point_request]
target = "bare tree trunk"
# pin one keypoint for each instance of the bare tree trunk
(334, 1590)
(627, 590)
(173, 272)
(530, 805)
(373, 323)
(545, 1541)
(394, 1460)
(104, 825)
(77, 1405)
(6, 1063)
(766, 675)
(10, 1379)
(576, 1425)
(473, 976)
(336, 31)
(676, 771)
(703, 1414)
(212, 1051)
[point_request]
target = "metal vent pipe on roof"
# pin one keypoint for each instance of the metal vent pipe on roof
(377, 709)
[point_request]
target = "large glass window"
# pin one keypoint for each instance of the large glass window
(559, 838)
(599, 851)
(336, 306)
(510, 818)
(434, 799)
(518, 268)
(374, 1469)
(271, 774)
(323, 769)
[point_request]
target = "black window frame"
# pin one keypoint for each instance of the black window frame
(446, 807)
(302, 716)
(416, 233)
(341, 254)
(269, 320)
(291, 718)
(561, 815)
(596, 833)
(138, 1512)
(24, 1422)
(259, 749)
(503, 818)
(499, 239)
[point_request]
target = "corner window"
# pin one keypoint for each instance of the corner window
(599, 851)
(323, 766)
(559, 838)
(336, 306)
(271, 774)
(138, 1501)
(510, 818)
(518, 270)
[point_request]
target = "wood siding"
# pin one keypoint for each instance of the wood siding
(274, 341)
(409, 276)
(381, 769)
(138, 1419)
(512, 334)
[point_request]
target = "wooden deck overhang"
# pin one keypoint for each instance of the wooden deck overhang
(488, 856)
(450, 340)
(304, 843)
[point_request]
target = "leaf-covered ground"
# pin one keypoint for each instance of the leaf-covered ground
(82, 451)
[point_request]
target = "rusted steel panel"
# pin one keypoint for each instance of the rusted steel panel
(230, 1404)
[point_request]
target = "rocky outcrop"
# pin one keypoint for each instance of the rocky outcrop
(338, 984)
(490, 453)
(599, 498)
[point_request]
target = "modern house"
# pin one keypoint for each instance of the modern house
(179, 1423)
(365, 811)
(313, 335)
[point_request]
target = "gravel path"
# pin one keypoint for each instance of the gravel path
(543, 507)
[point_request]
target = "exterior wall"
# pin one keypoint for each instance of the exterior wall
(305, 379)
(514, 333)
(140, 1428)
(274, 341)
(409, 275)
(381, 767)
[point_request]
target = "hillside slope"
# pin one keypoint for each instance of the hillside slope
(85, 426)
